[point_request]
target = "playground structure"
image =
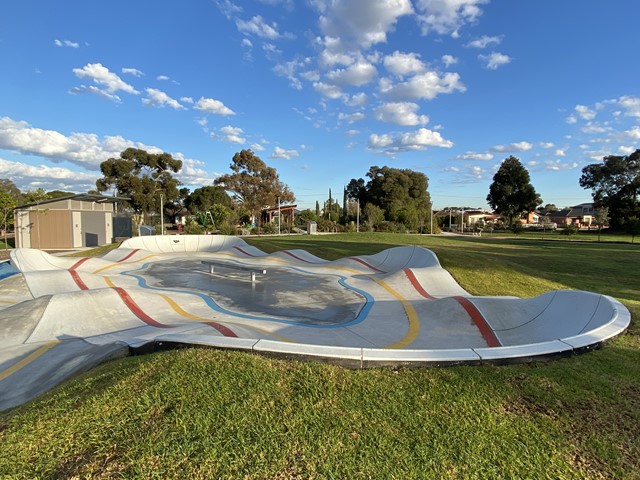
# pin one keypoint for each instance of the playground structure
(63, 315)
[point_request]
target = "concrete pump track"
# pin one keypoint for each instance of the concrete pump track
(62, 315)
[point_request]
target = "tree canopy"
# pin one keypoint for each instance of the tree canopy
(616, 185)
(204, 198)
(254, 184)
(141, 176)
(401, 194)
(511, 193)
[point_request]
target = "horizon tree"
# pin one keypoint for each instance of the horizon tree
(142, 177)
(254, 184)
(615, 184)
(511, 193)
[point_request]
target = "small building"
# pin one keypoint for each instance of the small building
(287, 214)
(583, 216)
(83, 220)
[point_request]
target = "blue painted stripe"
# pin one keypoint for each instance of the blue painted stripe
(362, 314)
(6, 269)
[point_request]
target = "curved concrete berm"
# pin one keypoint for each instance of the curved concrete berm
(62, 315)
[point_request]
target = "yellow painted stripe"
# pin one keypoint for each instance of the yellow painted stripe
(115, 264)
(180, 311)
(412, 316)
(109, 282)
(28, 359)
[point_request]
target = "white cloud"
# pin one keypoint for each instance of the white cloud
(108, 82)
(258, 27)
(361, 23)
(403, 64)
(571, 119)
(330, 91)
(289, 70)
(351, 117)
(623, 150)
(447, 16)
(512, 147)
(547, 145)
(132, 71)
(162, 78)
(449, 60)
(495, 60)
(585, 112)
(560, 153)
(409, 141)
(557, 165)
(280, 152)
(66, 43)
(186, 99)
(256, 147)
(427, 85)
(84, 149)
(484, 41)
(232, 134)
(157, 98)
(193, 172)
(400, 113)
(210, 105)
(357, 74)
(633, 133)
(631, 105)
(357, 100)
(475, 156)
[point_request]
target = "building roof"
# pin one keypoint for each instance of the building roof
(83, 197)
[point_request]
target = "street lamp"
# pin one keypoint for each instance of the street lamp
(161, 214)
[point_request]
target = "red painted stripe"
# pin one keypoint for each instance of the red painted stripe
(366, 264)
(76, 278)
(79, 262)
(414, 281)
(130, 255)
(241, 250)
(137, 311)
(476, 316)
(297, 257)
(227, 332)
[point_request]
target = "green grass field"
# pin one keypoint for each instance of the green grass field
(203, 413)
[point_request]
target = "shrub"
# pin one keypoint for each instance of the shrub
(570, 229)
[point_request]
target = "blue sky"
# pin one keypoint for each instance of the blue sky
(321, 90)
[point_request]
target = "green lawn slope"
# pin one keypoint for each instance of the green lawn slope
(203, 413)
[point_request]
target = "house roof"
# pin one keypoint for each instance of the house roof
(83, 197)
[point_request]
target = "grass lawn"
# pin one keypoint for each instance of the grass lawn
(204, 413)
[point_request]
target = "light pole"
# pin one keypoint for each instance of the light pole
(161, 214)
(279, 215)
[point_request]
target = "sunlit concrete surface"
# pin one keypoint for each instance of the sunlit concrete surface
(62, 315)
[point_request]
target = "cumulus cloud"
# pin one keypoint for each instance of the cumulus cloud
(281, 153)
(157, 98)
(30, 177)
(475, 156)
(84, 149)
(449, 60)
(132, 71)
(232, 134)
(66, 43)
(258, 27)
(357, 74)
(409, 141)
(494, 60)
(447, 16)
(108, 83)
(360, 23)
(404, 64)
(193, 172)
(484, 41)
(427, 86)
(351, 117)
(512, 147)
(215, 107)
(400, 113)
(631, 105)
(584, 112)
(330, 91)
